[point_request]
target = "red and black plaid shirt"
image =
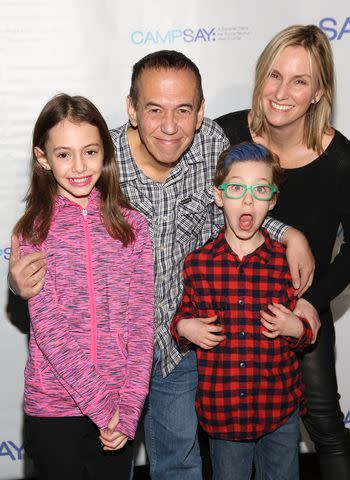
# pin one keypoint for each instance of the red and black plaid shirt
(249, 385)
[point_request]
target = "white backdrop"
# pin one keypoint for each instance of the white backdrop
(87, 47)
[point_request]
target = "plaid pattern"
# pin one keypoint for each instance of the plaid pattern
(249, 385)
(182, 216)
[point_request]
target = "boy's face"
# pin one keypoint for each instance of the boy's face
(244, 216)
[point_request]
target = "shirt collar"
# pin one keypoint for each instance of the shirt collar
(262, 253)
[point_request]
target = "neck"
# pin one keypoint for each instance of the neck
(285, 138)
(243, 247)
(144, 160)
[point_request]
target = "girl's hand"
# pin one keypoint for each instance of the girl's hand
(201, 331)
(281, 321)
(111, 439)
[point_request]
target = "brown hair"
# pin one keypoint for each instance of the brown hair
(35, 223)
(167, 59)
(244, 152)
(318, 47)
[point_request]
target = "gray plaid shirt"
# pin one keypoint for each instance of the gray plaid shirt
(182, 216)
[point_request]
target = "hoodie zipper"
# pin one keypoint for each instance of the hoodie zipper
(90, 288)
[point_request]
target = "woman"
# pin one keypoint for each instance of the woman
(291, 112)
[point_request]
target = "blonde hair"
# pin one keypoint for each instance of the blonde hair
(317, 45)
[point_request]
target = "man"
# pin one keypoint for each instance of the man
(167, 156)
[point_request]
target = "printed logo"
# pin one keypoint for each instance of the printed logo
(335, 29)
(5, 253)
(347, 418)
(8, 448)
(189, 35)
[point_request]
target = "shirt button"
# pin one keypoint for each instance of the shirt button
(242, 334)
(240, 302)
(242, 394)
(165, 218)
(242, 364)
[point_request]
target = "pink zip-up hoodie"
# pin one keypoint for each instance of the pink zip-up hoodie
(91, 338)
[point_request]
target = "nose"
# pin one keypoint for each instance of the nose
(169, 123)
(79, 164)
(248, 198)
(282, 91)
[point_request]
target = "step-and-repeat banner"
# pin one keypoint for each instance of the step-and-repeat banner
(88, 47)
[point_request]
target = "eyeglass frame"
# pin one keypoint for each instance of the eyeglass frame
(272, 186)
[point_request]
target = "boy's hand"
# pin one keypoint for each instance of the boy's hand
(201, 331)
(111, 439)
(27, 273)
(300, 260)
(281, 321)
(304, 309)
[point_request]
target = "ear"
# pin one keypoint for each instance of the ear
(41, 158)
(131, 112)
(218, 197)
(273, 201)
(200, 115)
(317, 96)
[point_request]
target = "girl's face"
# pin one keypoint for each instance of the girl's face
(74, 154)
(290, 89)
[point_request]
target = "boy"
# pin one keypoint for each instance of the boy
(236, 293)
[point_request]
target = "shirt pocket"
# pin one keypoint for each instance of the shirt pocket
(194, 216)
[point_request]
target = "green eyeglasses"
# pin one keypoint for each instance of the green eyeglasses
(238, 190)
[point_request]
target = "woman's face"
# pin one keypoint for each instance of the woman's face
(289, 89)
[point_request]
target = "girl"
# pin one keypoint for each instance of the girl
(291, 114)
(91, 341)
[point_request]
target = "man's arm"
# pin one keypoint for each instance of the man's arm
(27, 273)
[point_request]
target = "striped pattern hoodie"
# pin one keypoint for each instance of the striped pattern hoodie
(91, 336)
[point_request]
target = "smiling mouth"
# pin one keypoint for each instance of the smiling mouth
(80, 182)
(282, 108)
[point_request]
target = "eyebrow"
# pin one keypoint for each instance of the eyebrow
(295, 76)
(238, 178)
(62, 147)
(156, 104)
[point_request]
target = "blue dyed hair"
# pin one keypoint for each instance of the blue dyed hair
(244, 152)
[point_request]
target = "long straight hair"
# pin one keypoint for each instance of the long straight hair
(40, 198)
(317, 45)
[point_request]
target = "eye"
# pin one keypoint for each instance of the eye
(235, 188)
(184, 111)
(91, 153)
(274, 75)
(63, 155)
(154, 110)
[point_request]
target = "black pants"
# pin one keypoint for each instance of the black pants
(324, 420)
(68, 448)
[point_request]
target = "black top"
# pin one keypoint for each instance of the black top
(314, 199)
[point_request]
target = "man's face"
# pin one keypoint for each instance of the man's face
(167, 113)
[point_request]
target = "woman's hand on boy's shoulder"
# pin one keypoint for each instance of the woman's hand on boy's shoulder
(300, 259)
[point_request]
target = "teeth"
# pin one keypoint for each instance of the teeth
(281, 107)
(79, 180)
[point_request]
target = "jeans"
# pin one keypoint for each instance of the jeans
(275, 455)
(170, 422)
(324, 420)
